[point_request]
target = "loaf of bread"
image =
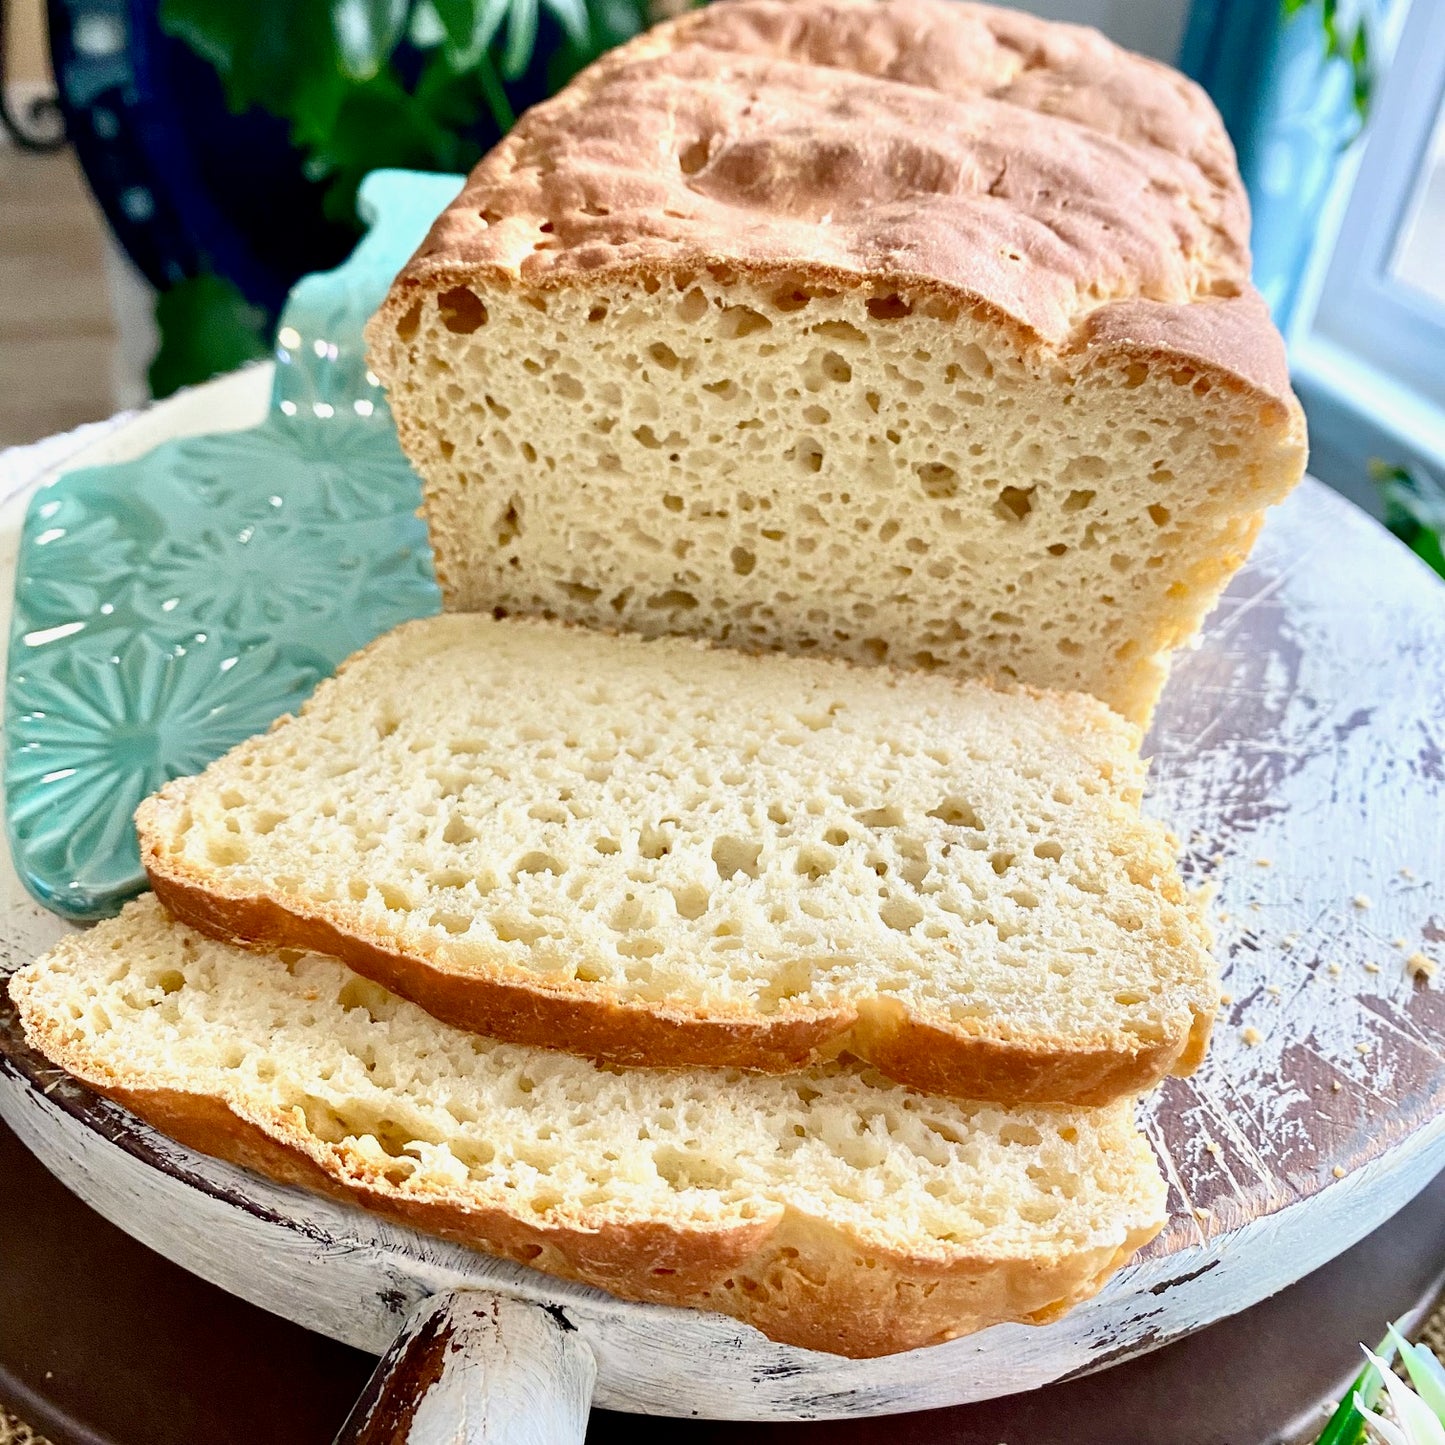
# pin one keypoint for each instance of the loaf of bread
(832, 1210)
(897, 330)
(664, 852)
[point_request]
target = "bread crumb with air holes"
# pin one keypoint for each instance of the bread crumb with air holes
(500, 1132)
(801, 790)
(788, 357)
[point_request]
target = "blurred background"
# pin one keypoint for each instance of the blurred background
(168, 168)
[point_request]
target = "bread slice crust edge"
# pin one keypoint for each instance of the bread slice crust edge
(817, 1297)
(588, 1019)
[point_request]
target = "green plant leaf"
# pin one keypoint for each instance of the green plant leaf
(1347, 1425)
(425, 29)
(455, 100)
(326, 67)
(1425, 1371)
(485, 19)
(572, 16)
(206, 327)
(367, 31)
(609, 23)
(614, 21)
(521, 39)
(1362, 62)
(379, 124)
(1414, 510)
(1350, 45)
(278, 54)
(489, 21)
(496, 96)
(1413, 1420)
(1431, 550)
(459, 20)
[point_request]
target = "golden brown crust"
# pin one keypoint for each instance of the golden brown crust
(585, 1019)
(581, 1018)
(1083, 196)
(1201, 333)
(800, 1280)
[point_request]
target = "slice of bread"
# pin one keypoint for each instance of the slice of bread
(660, 852)
(832, 1210)
(905, 330)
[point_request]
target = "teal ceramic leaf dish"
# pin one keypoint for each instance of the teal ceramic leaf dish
(168, 607)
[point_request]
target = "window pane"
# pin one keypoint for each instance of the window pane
(1419, 259)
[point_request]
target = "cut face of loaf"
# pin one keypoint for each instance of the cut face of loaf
(660, 852)
(832, 1210)
(909, 331)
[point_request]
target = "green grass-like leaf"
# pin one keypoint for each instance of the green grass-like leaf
(1426, 1373)
(367, 32)
(572, 16)
(458, 18)
(521, 38)
(497, 99)
(1347, 1426)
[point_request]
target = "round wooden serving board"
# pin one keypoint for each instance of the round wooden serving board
(1299, 752)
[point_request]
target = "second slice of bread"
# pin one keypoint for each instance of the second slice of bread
(832, 1209)
(658, 852)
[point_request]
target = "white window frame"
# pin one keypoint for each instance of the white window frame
(1368, 351)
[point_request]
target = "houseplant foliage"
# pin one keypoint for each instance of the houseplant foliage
(362, 84)
(430, 85)
(1414, 510)
(1416, 1415)
(1346, 30)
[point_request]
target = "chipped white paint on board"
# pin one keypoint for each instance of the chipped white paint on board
(475, 1368)
(355, 1277)
(1300, 754)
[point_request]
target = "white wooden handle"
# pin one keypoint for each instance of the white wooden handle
(474, 1368)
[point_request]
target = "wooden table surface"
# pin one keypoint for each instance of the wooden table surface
(57, 334)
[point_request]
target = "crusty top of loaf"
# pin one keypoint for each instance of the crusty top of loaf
(1032, 168)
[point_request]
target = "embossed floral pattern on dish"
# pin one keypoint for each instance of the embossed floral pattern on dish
(167, 607)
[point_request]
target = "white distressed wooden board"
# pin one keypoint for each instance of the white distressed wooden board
(1299, 752)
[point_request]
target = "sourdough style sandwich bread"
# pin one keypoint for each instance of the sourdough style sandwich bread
(831, 1210)
(897, 330)
(663, 852)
